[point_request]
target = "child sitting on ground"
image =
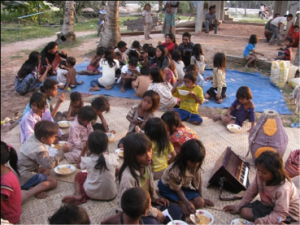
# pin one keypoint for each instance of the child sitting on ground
(92, 68)
(142, 82)
(37, 113)
(62, 71)
(70, 214)
(280, 200)
(101, 105)
(219, 87)
(136, 46)
(240, 110)
(71, 76)
(129, 73)
(49, 88)
(178, 133)
(162, 149)
(176, 56)
(188, 109)
(181, 181)
(34, 162)
(121, 48)
(99, 183)
(76, 104)
(135, 203)
(79, 131)
(198, 58)
(194, 68)
(169, 76)
(139, 114)
(109, 67)
(10, 188)
(249, 53)
(287, 51)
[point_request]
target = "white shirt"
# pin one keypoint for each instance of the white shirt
(108, 73)
(125, 69)
(277, 20)
(61, 75)
(100, 185)
(179, 66)
(148, 16)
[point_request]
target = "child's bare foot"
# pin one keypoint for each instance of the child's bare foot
(246, 67)
(220, 101)
(80, 82)
(95, 89)
(122, 90)
(255, 67)
(109, 87)
(215, 118)
(72, 199)
(41, 195)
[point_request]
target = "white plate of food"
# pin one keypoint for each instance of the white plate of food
(120, 152)
(240, 222)
(205, 217)
(183, 92)
(177, 222)
(64, 169)
(110, 136)
(233, 128)
(64, 124)
(59, 144)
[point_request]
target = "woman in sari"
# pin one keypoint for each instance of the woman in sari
(169, 21)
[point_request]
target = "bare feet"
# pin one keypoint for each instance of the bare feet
(72, 199)
(41, 195)
(246, 67)
(220, 101)
(95, 89)
(255, 67)
(122, 90)
(80, 82)
(109, 87)
(216, 118)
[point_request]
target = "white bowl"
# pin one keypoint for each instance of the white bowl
(233, 128)
(240, 222)
(120, 152)
(110, 136)
(64, 124)
(59, 169)
(177, 222)
(183, 92)
(204, 213)
(59, 144)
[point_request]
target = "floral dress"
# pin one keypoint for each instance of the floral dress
(180, 136)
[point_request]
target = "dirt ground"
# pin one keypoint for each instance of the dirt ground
(13, 55)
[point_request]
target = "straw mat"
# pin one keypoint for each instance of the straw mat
(214, 136)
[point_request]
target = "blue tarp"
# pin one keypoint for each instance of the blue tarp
(265, 95)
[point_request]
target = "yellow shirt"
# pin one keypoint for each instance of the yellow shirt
(160, 162)
(188, 102)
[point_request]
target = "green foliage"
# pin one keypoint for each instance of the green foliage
(24, 7)
(184, 7)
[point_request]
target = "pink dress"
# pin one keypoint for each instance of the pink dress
(78, 136)
(180, 136)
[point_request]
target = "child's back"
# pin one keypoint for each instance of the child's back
(100, 185)
(142, 82)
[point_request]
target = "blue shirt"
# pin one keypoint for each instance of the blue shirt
(248, 49)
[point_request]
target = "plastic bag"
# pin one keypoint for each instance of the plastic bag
(279, 72)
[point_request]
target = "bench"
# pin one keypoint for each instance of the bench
(138, 24)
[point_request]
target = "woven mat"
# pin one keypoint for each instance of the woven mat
(214, 136)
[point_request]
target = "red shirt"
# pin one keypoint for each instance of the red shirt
(11, 204)
(295, 37)
(170, 46)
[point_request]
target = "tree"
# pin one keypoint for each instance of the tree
(111, 31)
(199, 17)
(67, 33)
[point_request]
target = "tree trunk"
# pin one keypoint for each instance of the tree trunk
(67, 33)
(199, 17)
(296, 61)
(111, 31)
(245, 9)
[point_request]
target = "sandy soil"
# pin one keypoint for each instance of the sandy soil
(12, 102)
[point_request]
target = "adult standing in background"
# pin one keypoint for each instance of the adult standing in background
(276, 23)
(269, 29)
(169, 21)
(186, 48)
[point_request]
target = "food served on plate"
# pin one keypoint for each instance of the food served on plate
(120, 152)
(64, 124)
(202, 219)
(110, 136)
(240, 222)
(64, 170)
(183, 92)
(233, 128)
